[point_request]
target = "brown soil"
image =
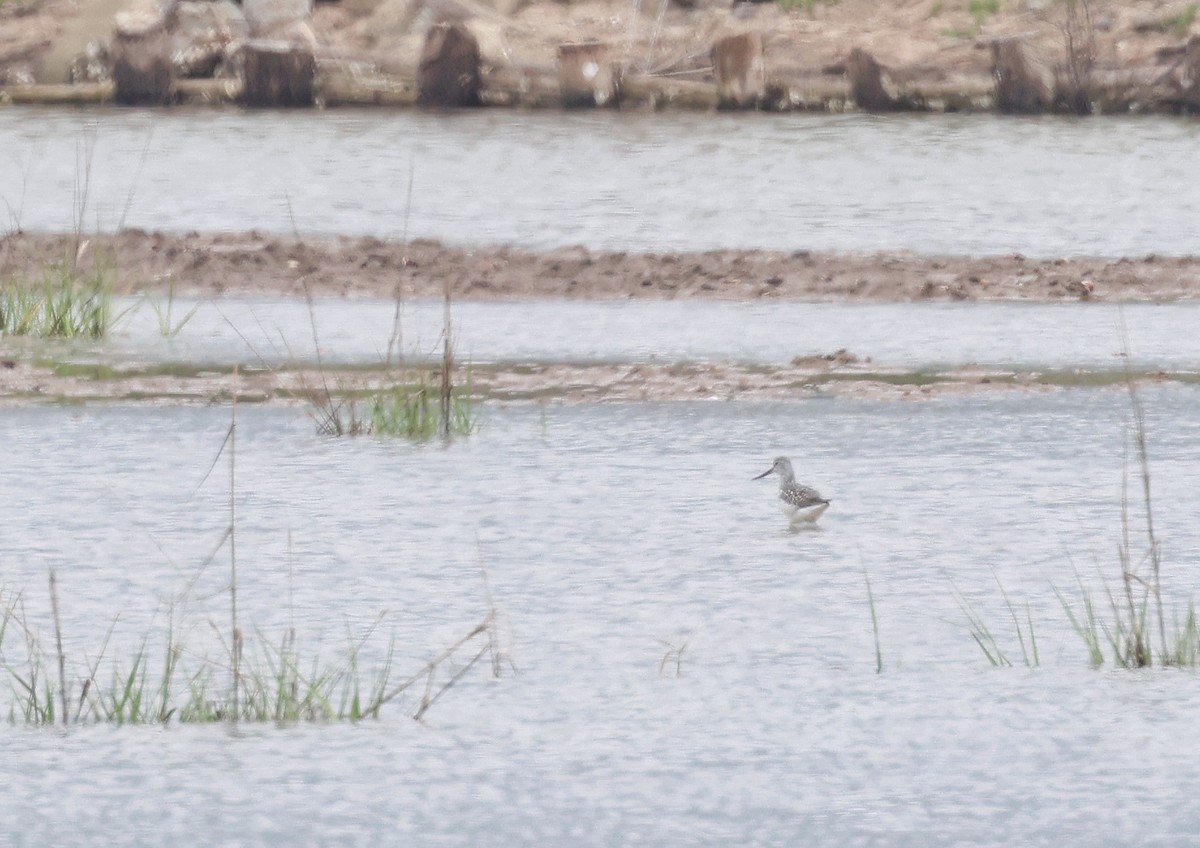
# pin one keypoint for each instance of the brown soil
(214, 264)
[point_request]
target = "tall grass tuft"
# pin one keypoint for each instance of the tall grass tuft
(985, 638)
(65, 302)
(1131, 617)
(874, 624)
(170, 324)
(278, 681)
(409, 408)
(418, 411)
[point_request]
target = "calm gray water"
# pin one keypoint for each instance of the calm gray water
(605, 529)
(960, 184)
(276, 330)
(611, 531)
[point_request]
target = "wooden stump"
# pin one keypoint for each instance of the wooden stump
(141, 55)
(866, 82)
(449, 72)
(1189, 75)
(278, 73)
(586, 77)
(1024, 84)
(740, 71)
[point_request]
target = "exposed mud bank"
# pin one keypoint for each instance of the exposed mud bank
(252, 263)
(835, 375)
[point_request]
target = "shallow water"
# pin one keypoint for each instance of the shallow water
(924, 335)
(956, 184)
(605, 529)
(610, 532)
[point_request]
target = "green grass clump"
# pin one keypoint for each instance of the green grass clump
(278, 682)
(64, 302)
(1179, 24)
(981, 10)
(808, 6)
(414, 410)
(1183, 22)
(417, 412)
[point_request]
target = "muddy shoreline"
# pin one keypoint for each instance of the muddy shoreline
(216, 264)
(257, 264)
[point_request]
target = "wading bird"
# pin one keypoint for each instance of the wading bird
(801, 504)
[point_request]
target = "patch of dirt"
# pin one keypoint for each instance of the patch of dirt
(254, 263)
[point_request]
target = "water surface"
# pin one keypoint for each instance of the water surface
(254, 331)
(609, 532)
(953, 184)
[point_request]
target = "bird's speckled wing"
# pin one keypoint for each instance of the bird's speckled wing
(802, 496)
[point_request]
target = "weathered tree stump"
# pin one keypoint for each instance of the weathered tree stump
(866, 82)
(1188, 79)
(278, 73)
(449, 71)
(1024, 83)
(740, 71)
(141, 56)
(586, 77)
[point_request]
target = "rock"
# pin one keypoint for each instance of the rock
(449, 71)
(740, 71)
(270, 17)
(21, 74)
(389, 20)
(204, 34)
(586, 77)
(141, 55)
(278, 73)
(94, 64)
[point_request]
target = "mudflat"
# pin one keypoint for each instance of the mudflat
(210, 264)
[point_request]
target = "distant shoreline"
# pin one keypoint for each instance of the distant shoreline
(908, 55)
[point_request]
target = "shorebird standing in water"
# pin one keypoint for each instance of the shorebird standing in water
(801, 504)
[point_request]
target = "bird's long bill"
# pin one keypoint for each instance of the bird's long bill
(765, 473)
